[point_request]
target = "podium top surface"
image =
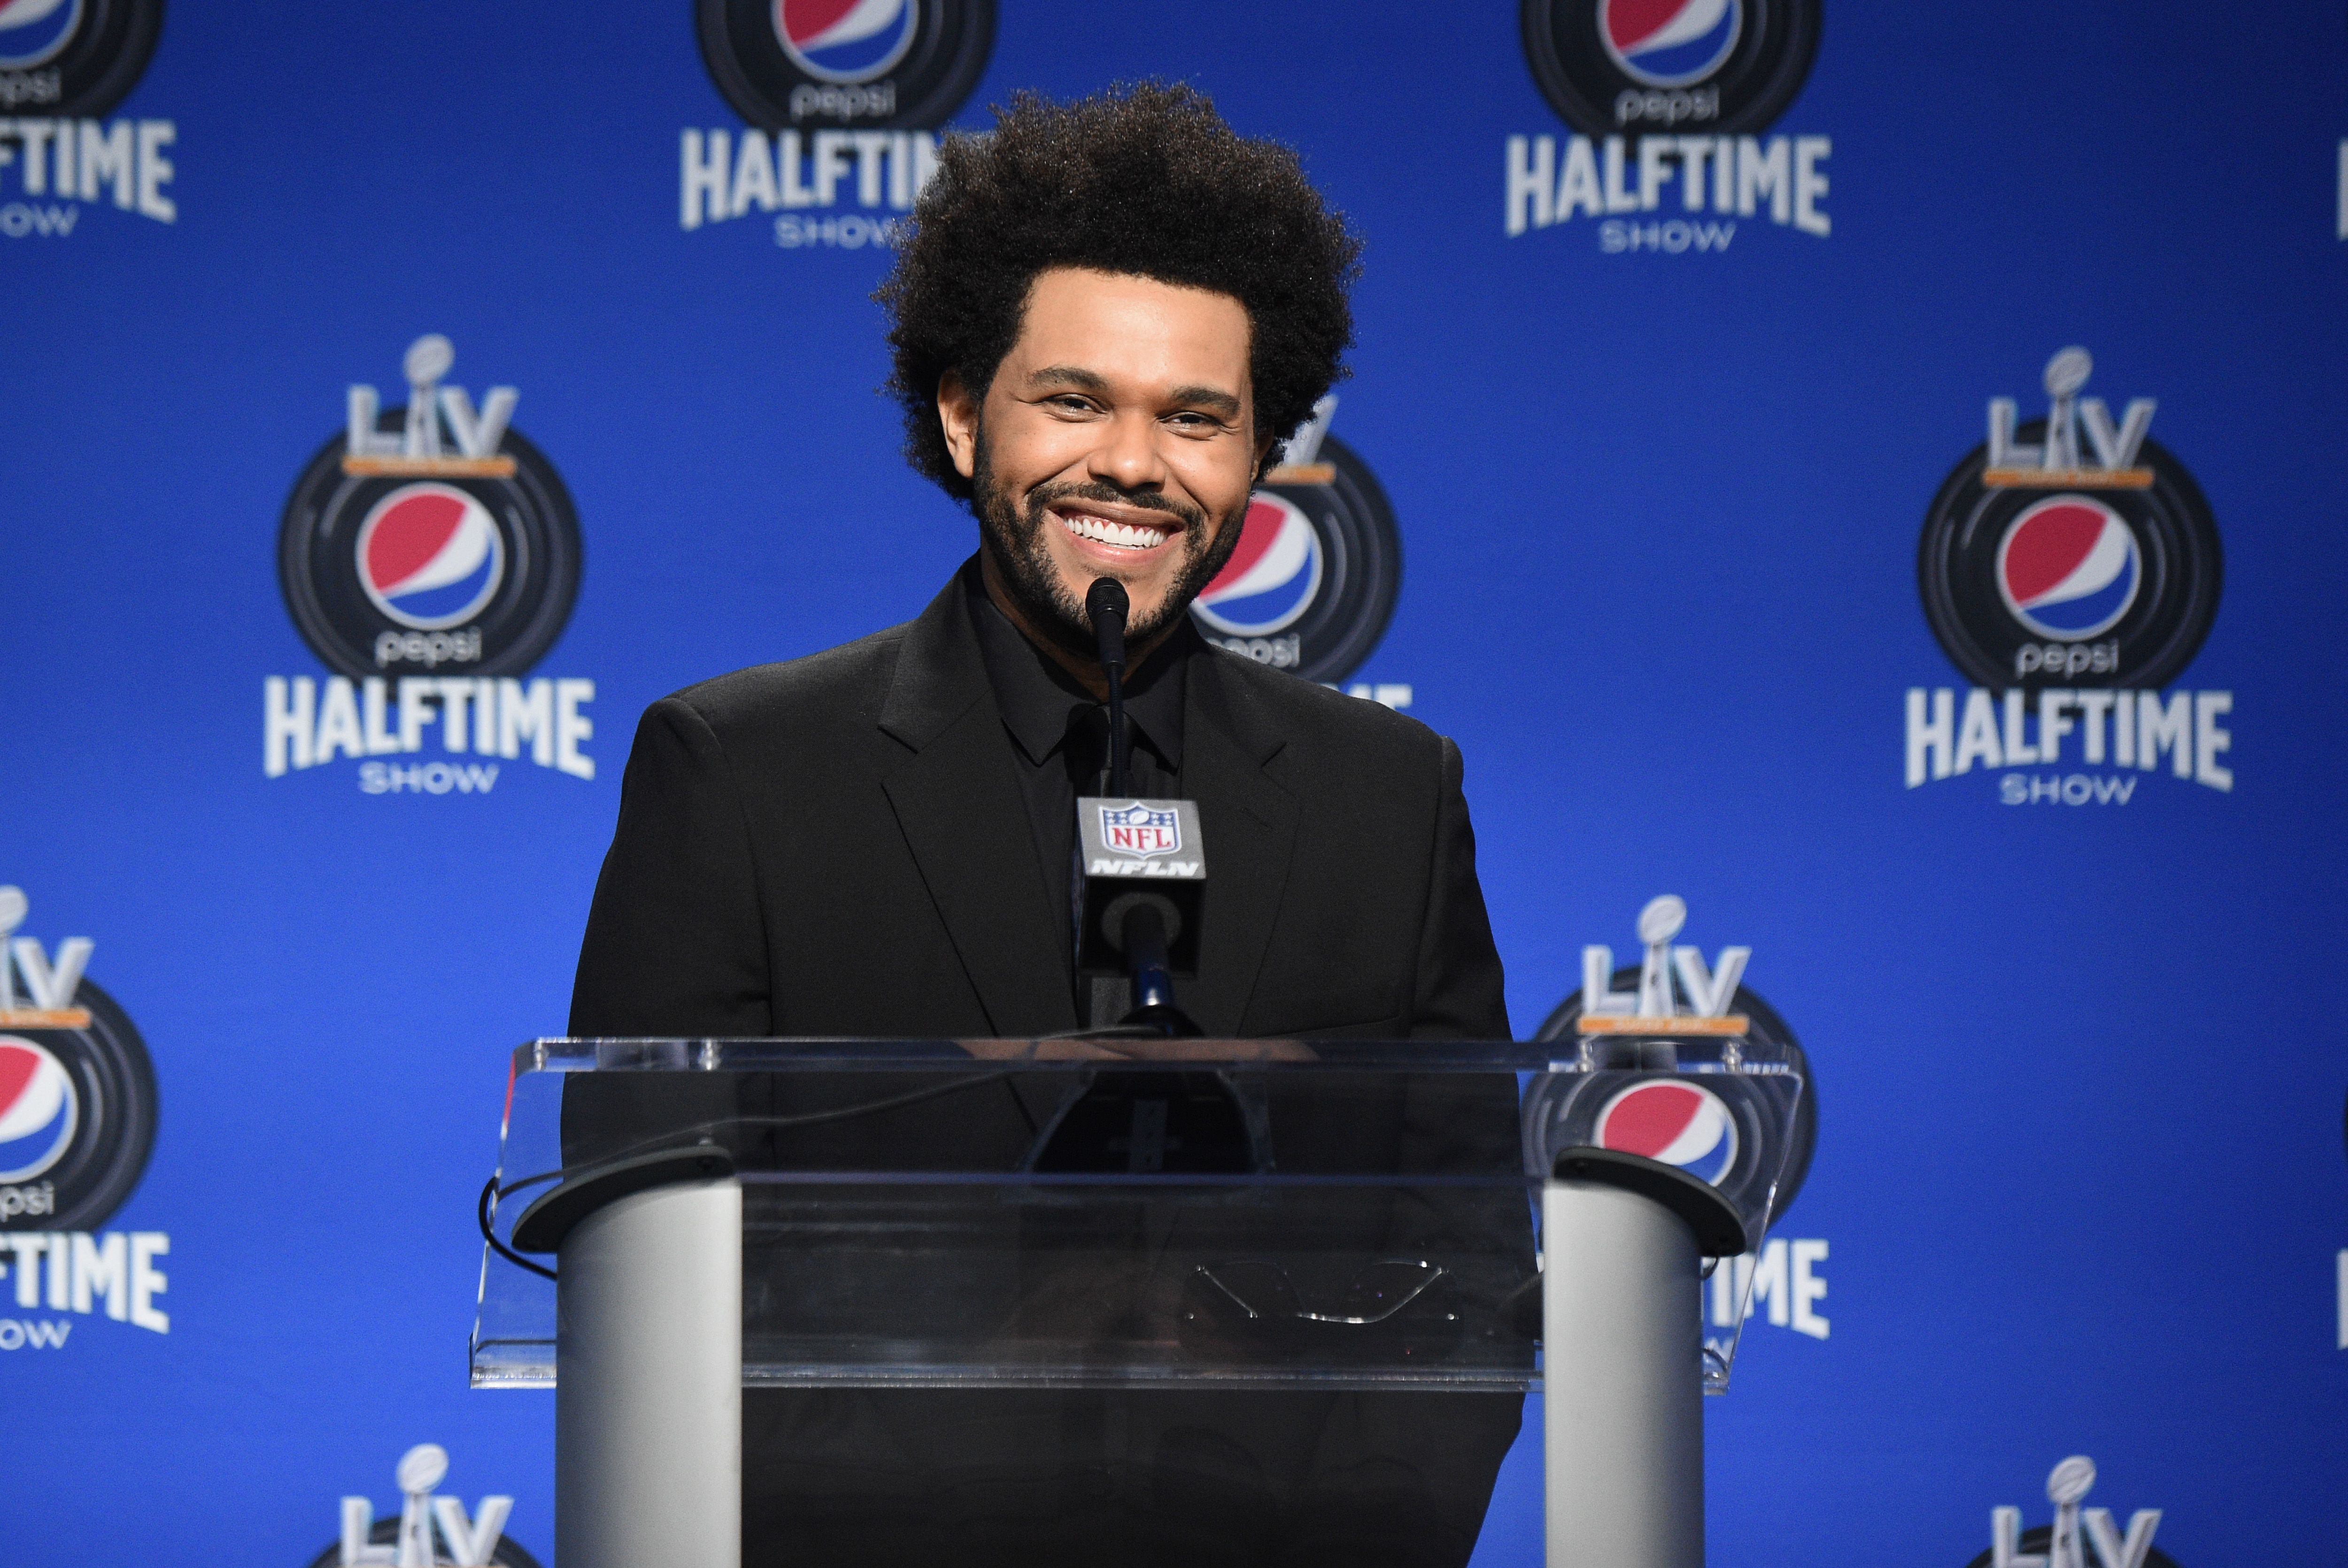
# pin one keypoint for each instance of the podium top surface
(1095, 1052)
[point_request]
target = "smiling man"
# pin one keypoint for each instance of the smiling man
(1109, 315)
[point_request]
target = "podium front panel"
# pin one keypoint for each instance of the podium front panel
(1094, 1213)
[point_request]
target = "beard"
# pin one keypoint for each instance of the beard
(1013, 536)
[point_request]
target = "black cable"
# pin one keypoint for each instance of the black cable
(488, 1226)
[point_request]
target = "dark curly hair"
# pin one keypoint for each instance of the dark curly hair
(1143, 180)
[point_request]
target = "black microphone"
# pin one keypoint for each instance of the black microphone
(1145, 868)
(1105, 604)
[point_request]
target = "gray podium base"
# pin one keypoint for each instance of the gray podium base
(648, 1382)
(1622, 1381)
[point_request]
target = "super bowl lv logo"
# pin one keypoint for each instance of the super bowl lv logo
(429, 555)
(1668, 99)
(1685, 1125)
(2070, 566)
(840, 100)
(78, 1109)
(2079, 1537)
(63, 64)
(1312, 582)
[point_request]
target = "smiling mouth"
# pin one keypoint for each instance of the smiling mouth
(1116, 535)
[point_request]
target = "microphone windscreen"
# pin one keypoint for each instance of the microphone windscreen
(1105, 601)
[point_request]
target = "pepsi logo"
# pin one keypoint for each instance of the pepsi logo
(2013, 576)
(1318, 568)
(77, 1115)
(33, 31)
(38, 1109)
(430, 556)
(845, 40)
(1677, 1123)
(463, 553)
(2068, 568)
(1692, 1128)
(1669, 43)
(869, 63)
(1620, 67)
(1272, 576)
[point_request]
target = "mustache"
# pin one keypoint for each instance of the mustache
(1042, 499)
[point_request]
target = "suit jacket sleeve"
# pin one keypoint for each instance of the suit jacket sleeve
(676, 938)
(1461, 994)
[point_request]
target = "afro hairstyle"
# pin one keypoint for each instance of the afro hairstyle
(1145, 180)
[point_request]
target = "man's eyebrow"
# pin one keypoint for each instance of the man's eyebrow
(1084, 380)
(1214, 398)
(1068, 375)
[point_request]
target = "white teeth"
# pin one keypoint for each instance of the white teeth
(1103, 531)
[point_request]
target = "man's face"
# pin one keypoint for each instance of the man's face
(1117, 439)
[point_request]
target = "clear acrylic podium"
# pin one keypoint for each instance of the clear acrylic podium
(1119, 1214)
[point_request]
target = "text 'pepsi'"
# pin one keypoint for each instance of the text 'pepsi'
(841, 103)
(1667, 98)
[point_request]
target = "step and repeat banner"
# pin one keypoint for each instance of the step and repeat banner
(1870, 471)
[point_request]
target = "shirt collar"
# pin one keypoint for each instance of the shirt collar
(1035, 694)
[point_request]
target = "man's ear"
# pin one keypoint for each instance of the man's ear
(958, 416)
(1265, 448)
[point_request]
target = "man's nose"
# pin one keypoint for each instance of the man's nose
(1128, 455)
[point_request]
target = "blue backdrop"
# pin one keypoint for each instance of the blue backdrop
(2078, 1185)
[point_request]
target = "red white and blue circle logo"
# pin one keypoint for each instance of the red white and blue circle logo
(1272, 576)
(2068, 568)
(864, 65)
(39, 1111)
(1312, 580)
(1692, 1128)
(1672, 1122)
(845, 40)
(33, 31)
(77, 1116)
(2030, 587)
(430, 556)
(1629, 68)
(1669, 43)
(470, 570)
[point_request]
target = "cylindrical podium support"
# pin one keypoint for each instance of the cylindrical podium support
(1622, 1379)
(648, 1381)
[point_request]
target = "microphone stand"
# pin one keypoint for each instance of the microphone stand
(1142, 932)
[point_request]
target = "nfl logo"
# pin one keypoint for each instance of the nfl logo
(1141, 829)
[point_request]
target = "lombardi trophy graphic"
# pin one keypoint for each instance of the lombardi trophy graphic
(2074, 1529)
(470, 1542)
(1654, 1009)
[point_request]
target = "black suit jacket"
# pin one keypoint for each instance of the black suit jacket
(838, 846)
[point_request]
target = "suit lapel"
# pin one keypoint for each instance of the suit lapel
(958, 804)
(1249, 823)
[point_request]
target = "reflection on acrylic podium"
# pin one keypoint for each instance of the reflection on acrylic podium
(1117, 1215)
